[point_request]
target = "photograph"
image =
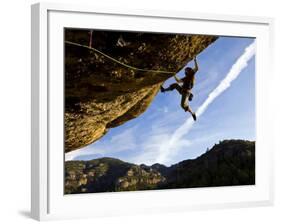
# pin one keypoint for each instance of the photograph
(157, 111)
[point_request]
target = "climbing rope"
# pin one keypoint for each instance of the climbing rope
(117, 61)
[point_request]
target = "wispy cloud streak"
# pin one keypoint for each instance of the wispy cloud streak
(123, 141)
(241, 63)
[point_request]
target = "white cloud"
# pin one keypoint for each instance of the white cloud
(152, 145)
(123, 141)
(73, 154)
(126, 140)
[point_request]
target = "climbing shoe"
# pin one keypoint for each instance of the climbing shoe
(162, 89)
(194, 116)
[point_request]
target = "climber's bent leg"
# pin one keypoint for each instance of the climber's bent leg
(172, 87)
(185, 106)
(184, 103)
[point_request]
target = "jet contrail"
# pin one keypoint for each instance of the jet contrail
(233, 73)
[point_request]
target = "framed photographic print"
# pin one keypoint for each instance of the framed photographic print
(155, 111)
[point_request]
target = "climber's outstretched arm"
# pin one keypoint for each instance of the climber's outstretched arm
(196, 68)
(177, 79)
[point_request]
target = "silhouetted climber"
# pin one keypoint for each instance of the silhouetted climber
(184, 86)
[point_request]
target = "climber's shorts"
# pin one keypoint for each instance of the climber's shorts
(187, 86)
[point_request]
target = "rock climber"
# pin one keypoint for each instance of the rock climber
(184, 86)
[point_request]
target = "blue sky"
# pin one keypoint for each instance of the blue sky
(230, 116)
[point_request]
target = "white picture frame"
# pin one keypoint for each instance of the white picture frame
(48, 201)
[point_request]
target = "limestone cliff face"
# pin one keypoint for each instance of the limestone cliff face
(101, 94)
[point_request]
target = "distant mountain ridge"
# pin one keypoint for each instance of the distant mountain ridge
(231, 162)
